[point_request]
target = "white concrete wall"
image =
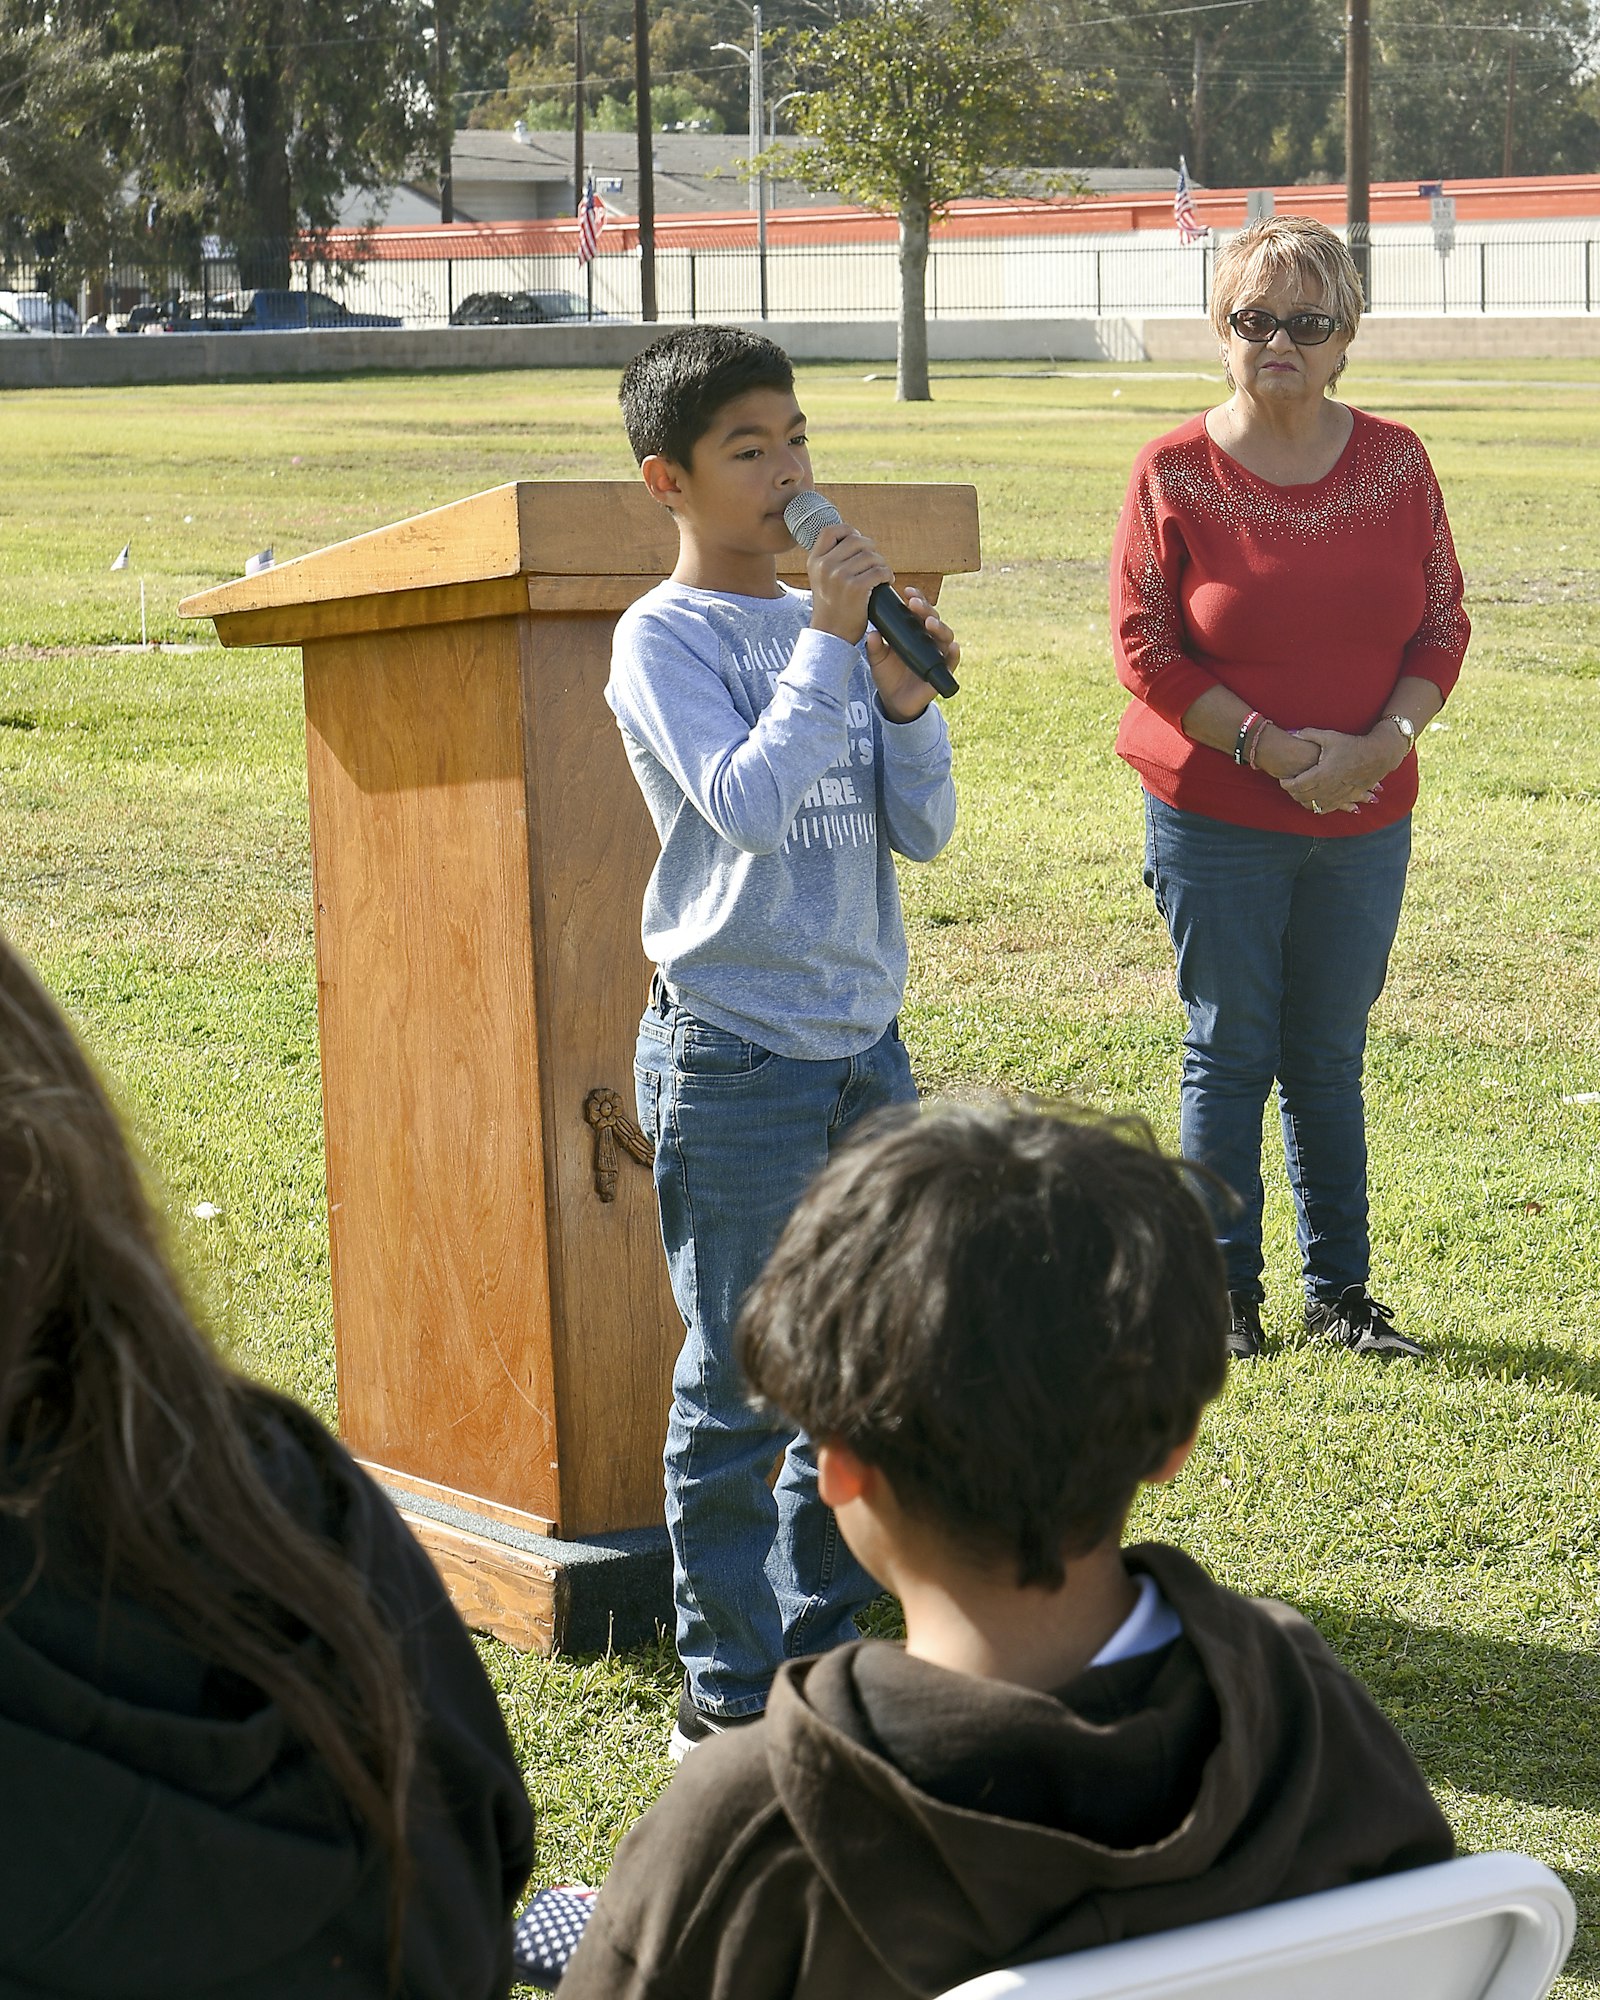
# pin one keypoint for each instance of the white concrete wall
(42, 361)
(1385, 337)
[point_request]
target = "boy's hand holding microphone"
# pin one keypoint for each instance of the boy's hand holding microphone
(911, 650)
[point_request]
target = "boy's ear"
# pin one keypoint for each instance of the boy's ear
(1173, 1463)
(660, 476)
(841, 1475)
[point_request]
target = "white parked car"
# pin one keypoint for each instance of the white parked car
(39, 313)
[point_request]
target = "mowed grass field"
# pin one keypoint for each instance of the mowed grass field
(1438, 1522)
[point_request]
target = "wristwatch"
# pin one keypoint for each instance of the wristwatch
(1406, 727)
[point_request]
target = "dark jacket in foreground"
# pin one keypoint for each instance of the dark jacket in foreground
(893, 1828)
(164, 1835)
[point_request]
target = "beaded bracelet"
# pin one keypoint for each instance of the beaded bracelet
(1255, 742)
(1241, 742)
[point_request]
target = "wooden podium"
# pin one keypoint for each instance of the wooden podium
(503, 1324)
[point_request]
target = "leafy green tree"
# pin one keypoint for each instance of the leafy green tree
(59, 98)
(1445, 73)
(1250, 95)
(691, 79)
(1253, 94)
(271, 111)
(913, 105)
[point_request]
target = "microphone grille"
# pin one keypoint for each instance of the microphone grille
(806, 515)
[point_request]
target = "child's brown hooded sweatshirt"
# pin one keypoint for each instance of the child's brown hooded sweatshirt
(892, 1828)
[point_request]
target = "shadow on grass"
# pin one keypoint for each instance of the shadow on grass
(1584, 1883)
(1482, 1715)
(1533, 1361)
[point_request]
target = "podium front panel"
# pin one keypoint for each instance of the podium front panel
(426, 999)
(616, 1330)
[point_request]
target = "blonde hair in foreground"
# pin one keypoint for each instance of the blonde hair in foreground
(1287, 246)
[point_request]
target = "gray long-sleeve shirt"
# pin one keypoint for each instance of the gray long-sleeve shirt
(780, 793)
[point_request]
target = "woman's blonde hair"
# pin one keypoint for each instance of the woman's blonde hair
(1287, 246)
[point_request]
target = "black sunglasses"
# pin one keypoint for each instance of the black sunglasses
(1305, 329)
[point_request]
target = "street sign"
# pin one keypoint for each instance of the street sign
(1443, 207)
(1259, 205)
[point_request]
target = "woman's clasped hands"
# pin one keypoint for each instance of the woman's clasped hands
(1348, 771)
(1327, 771)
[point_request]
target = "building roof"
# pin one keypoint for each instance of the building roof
(696, 173)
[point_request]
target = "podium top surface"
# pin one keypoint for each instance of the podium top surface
(573, 529)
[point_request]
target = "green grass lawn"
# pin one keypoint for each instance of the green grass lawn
(1438, 1522)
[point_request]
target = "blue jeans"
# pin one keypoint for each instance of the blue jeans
(1282, 943)
(761, 1573)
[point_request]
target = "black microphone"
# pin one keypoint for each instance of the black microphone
(806, 515)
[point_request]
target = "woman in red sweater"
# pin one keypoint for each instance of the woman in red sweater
(1286, 611)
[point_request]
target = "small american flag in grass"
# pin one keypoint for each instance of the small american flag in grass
(591, 220)
(1190, 227)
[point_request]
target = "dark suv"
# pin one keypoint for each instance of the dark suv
(520, 309)
(271, 309)
(264, 310)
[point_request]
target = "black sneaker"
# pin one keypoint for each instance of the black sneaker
(1357, 1321)
(1245, 1337)
(694, 1725)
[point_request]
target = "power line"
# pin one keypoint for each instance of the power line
(1163, 13)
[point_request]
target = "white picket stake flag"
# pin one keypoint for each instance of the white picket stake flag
(121, 562)
(258, 563)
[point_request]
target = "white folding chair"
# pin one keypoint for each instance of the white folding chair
(1486, 1927)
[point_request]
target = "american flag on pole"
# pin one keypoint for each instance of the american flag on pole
(1190, 227)
(591, 220)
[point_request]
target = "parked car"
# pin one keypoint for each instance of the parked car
(139, 317)
(483, 309)
(268, 308)
(191, 315)
(40, 313)
(521, 309)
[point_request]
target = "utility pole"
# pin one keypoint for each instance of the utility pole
(1511, 99)
(578, 108)
(1358, 140)
(756, 178)
(757, 98)
(445, 104)
(647, 166)
(1197, 109)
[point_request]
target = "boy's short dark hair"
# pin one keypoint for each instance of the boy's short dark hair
(1015, 1314)
(672, 390)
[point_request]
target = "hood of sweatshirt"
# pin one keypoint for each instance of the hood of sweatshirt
(160, 1815)
(164, 1829)
(1236, 1766)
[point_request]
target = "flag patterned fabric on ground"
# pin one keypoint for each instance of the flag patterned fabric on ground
(591, 220)
(1190, 227)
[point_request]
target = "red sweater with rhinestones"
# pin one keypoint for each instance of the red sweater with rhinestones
(1308, 602)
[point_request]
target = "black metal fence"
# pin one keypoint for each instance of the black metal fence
(1517, 268)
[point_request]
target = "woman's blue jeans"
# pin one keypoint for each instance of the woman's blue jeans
(760, 1571)
(1282, 944)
